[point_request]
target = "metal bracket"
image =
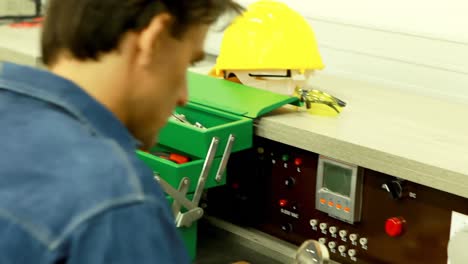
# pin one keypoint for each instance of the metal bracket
(186, 219)
(225, 158)
(181, 219)
(183, 189)
(205, 170)
(175, 194)
(180, 200)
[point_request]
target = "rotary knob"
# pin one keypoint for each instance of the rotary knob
(312, 252)
(286, 227)
(290, 182)
(394, 188)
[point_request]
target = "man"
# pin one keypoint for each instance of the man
(71, 189)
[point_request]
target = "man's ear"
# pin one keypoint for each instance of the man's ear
(150, 38)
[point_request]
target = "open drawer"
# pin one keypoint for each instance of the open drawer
(196, 141)
(173, 172)
(223, 108)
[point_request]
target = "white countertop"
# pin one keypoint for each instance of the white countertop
(417, 138)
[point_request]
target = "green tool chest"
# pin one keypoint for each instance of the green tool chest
(224, 108)
(218, 120)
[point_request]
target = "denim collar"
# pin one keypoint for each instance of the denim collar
(46, 86)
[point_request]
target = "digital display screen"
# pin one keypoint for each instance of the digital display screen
(337, 179)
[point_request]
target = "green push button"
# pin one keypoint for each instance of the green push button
(285, 157)
(260, 150)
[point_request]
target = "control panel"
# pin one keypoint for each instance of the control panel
(339, 189)
(290, 193)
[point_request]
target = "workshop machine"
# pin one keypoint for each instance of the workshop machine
(357, 215)
(360, 215)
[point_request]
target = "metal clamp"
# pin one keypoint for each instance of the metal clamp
(225, 158)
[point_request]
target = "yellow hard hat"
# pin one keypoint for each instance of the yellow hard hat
(269, 35)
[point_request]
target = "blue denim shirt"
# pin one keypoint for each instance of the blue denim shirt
(71, 187)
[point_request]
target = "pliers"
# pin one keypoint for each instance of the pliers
(174, 157)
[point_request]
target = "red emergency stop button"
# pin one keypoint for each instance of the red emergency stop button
(395, 226)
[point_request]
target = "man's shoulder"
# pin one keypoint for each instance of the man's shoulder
(60, 174)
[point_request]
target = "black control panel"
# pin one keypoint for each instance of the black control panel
(272, 187)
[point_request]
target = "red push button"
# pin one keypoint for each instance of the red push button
(395, 226)
(297, 161)
(283, 202)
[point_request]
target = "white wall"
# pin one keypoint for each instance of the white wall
(420, 46)
(446, 19)
(17, 7)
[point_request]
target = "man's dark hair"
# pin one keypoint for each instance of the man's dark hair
(88, 28)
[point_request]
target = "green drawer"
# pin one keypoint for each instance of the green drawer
(173, 172)
(188, 234)
(196, 141)
(223, 108)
